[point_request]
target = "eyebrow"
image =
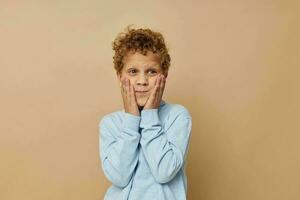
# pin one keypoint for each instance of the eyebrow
(150, 67)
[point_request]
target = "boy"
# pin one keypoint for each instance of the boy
(143, 148)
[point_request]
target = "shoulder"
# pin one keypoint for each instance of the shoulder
(110, 124)
(112, 118)
(175, 116)
(175, 110)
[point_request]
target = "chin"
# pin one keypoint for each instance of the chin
(141, 101)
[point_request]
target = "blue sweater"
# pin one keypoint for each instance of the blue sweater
(144, 156)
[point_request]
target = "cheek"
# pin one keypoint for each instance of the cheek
(152, 83)
(130, 79)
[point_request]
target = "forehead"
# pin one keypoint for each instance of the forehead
(139, 60)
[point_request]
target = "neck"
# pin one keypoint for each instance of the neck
(141, 108)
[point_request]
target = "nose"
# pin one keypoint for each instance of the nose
(142, 80)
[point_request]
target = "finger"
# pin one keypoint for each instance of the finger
(162, 85)
(159, 89)
(132, 93)
(157, 82)
(162, 88)
(123, 92)
(127, 86)
(129, 89)
(124, 85)
(156, 89)
(121, 82)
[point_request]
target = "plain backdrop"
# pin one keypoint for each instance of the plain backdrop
(235, 66)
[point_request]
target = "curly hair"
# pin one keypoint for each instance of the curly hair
(141, 40)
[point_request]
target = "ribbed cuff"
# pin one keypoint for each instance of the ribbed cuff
(149, 117)
(131, 121)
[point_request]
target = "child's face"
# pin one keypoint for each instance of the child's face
(142, 72)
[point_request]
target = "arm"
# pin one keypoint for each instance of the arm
(118, 152)
(165, 151)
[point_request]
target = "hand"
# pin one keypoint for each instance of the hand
(153, 102)
(129, 98)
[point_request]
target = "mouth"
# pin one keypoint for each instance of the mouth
(141, 92)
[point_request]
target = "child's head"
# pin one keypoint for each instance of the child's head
(140, 55)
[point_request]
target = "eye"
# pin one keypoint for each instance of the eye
(152, 72)
(132, 71)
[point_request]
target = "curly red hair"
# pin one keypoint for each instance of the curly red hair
(141, 40)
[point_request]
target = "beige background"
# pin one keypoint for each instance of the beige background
(235, 66)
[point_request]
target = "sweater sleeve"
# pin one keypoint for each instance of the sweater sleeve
(118, 148)
(165, 151)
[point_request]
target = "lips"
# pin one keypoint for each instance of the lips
(141, 92)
